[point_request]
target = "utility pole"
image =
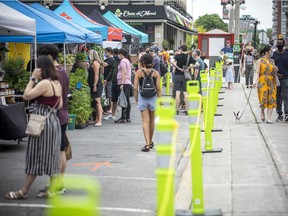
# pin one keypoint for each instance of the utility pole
(237, 21)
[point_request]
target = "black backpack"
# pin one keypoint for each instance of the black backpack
(148, 87)
(163, 68)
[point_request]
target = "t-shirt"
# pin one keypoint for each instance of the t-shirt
(281, 61)
(227, 50)
(124, 63)
(182, 61)
(64, 81)
(108, 69)
(156, 63)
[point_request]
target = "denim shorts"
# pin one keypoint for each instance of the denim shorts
(144, 103)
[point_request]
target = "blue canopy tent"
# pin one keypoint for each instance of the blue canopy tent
(48, 29)
(91, 37)
(68, 11)
(124, 26)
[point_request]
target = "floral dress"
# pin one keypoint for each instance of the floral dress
(266, 84)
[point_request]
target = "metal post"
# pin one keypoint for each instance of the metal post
(166, 131)
(237, 20)
(255, 31)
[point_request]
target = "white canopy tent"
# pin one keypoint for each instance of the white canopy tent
(14, 23)
(15, 26)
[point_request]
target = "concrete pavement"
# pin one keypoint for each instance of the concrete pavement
(249, 177)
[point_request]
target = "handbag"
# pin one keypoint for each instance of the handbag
(277, 81)
(122, 101)
(36, 123)
(68, 149)
(186, 70)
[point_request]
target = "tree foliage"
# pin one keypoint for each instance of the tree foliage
(211, 21)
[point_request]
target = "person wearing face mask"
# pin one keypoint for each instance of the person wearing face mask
(280, 56)
(266, 84)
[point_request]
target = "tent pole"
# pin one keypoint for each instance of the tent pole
(65, 56)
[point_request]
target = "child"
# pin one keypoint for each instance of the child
(230, 74)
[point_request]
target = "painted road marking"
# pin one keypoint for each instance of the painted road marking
(96, 165)
(100, 208)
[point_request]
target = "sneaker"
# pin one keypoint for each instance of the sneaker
(109, 117)
(120, 120)
(59, 191)
(286, 118)
(280, 118)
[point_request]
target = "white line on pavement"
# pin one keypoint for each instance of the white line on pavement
(119, 177)
(101, 208)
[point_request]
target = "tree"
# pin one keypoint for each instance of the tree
(269, 33)
(211, 21)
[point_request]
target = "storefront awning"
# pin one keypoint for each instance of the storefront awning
(180, 28)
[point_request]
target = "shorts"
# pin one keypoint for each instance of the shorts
(180, 83)
(98, 92)
(108, 89)
(146, 103)
(115, 92)
(63, 137)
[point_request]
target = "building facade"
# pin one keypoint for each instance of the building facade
(163, 20)
(280, 19)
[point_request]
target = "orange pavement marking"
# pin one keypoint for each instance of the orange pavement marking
(96, 165)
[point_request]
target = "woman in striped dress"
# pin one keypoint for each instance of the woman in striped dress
(43, 152)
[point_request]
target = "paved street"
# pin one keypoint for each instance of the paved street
(250, 176)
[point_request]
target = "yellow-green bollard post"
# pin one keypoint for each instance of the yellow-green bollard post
(85, 204)
(166, 144)
(168, 77)
(208, 105)
(161, 83)
(194, 112)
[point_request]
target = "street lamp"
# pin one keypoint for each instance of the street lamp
(255, 31)
(233, 7)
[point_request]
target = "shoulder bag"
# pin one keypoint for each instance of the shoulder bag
(36, 123)
(186, 70)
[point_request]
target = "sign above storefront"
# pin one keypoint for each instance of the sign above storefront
(137, 11)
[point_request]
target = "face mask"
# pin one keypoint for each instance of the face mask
(280, 47)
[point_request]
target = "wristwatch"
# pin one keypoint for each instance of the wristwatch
(33, 79)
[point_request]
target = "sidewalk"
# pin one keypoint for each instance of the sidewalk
(250, 176)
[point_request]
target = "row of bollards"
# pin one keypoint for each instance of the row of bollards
(208, 102)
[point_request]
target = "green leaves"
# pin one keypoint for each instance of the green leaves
(211, 21)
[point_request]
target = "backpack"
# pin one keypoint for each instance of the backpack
(249, 60)
(163, 68)
(148, 87)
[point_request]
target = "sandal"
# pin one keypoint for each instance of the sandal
(14, 196)
(45, 194)
(151, 145)
(146, 148)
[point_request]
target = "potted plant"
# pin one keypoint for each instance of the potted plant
(15, 74)
(80, 102)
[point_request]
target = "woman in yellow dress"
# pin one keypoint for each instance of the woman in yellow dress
(265, 83)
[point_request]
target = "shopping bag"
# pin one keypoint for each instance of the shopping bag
(122, 101)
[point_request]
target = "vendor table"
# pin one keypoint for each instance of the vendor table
(13, 121)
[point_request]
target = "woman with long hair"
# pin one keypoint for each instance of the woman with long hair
(96, 85)
(266, 83)
(43, 152)
(124, 83)
(146, 105)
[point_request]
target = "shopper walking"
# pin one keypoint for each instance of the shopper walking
(42, 155)
(248, 67)
(52, 51)
(265, 83)
(280, 57)
(146, 102)
(124, 83)
(230, 74)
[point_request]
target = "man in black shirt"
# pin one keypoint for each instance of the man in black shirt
(180, 60)
(280, 57)
(108, 66)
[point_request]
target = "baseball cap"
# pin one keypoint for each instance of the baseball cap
(152, 49)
